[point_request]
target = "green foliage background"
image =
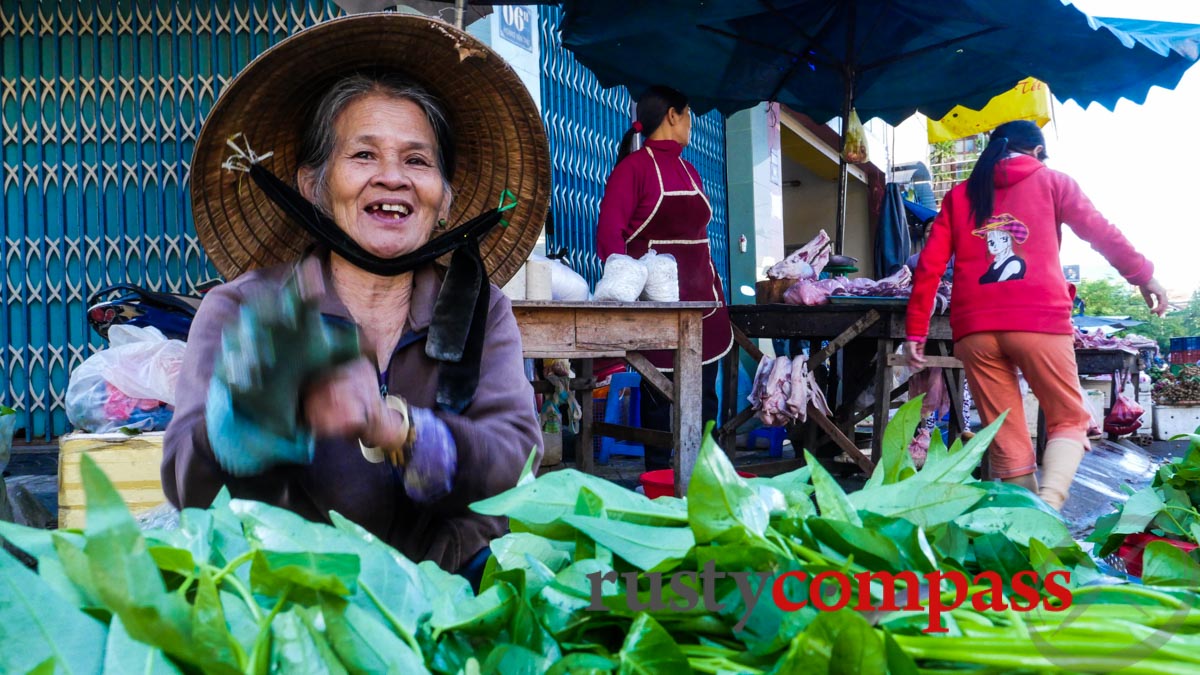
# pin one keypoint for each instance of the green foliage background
(1106, 297)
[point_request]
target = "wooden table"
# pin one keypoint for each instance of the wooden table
(596, 330)
(1114, 362)
(869, 331)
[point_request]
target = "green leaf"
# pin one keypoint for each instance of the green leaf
(125, 576)
(583, 663)
(242, 623)
(1139, 511)
(957, 465)
(649, 548)
(273, 572)
(648, 649)
(898, 661)
(1000, 494)
(540, 506)
(527, 473)
(74, 564)
(514, 549)
(396, 581)
(170, 559)
(924, 504)
(871, 549)
(484, 614)
(363, 643)
(35, 542)
(1019, 525)
(123, 654)
(796, 485)
(1165, 565)
(209, 630)
(721, 505)
(895, 461)
(297, 648)
(997, 553)
(831, 499)
(36, 625)
(515, 660)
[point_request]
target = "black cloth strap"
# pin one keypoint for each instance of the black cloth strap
(460, 313)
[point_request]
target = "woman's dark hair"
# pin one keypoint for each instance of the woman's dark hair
(651, 111)
(1018, 136)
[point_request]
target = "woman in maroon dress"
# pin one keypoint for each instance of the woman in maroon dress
(653, 201)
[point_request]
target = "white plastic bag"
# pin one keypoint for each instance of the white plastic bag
(131, 384)
(623, 281)
(566, 285)
(662, 277)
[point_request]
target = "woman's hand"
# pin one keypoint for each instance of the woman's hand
(914, 353)
(1155, 296)
(347, 404)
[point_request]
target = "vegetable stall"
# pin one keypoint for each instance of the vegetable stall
(242, 587)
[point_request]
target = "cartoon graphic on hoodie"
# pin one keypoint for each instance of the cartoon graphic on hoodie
(1000, 232)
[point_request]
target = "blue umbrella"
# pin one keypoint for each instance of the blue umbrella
(884, 58)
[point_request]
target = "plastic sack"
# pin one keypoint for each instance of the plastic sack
(130, 385)
(662, 277)
(566, 285)
(623, 281)
(1125, 417)
(854, 147)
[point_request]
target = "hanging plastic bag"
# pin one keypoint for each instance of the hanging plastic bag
(1126, 415)
(854, 148)
(129, 385)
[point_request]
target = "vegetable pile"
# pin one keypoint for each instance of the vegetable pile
(247, 588)
(1179, 386)
(1166, 508)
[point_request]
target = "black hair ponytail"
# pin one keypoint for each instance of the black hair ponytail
(651, 111)
(1017, 136)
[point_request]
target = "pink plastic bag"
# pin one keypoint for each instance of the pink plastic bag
(1126, 415)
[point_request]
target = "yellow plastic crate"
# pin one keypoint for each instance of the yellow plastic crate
(132, 463)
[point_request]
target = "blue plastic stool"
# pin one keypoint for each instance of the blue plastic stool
(774, 436)
(612, 415)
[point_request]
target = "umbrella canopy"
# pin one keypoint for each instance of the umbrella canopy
(894, 56)
(884, 58)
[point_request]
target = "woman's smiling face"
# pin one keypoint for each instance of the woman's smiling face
(384, 187)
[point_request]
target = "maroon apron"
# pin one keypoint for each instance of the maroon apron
(678, 225)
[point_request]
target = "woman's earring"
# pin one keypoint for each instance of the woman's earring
(441, 222)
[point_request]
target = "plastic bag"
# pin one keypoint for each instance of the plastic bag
(854, 149)
(662, 277)
(566, 285)
(623, 281)
(1125, 417)
(129, 385)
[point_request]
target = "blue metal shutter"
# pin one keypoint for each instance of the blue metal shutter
(101, 103)
(585, 123)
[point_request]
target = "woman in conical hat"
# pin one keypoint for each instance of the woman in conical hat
(358, 185)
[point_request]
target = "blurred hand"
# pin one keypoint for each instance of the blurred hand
(1155, 296)
(914, 353)
(347, 404)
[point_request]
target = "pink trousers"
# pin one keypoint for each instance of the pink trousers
(1047, 361)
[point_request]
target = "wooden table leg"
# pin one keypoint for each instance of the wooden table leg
(585, 458)
(729, 402)
(883, 387)
(686, 422)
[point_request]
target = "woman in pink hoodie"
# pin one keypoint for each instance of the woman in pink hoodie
(1012, 304)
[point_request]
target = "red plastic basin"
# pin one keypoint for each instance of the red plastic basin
(1135, 544)
(661, 483)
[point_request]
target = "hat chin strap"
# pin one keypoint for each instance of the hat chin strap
(455, 338)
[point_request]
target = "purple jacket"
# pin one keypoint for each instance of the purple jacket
(494, 435)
